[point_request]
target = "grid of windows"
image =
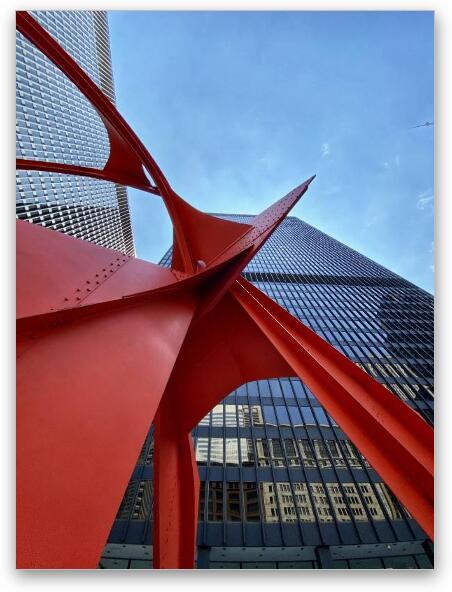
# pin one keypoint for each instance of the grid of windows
(269, 453)
(55, 122)
(270, 501)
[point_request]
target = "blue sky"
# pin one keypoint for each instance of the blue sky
(238, 108)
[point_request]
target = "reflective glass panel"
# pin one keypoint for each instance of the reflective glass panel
(247, 451)
(282, 415)
(215, 503)
(308, 417)
(216, 451)
(268, 502)
(232, 451)
(295, 416)
(251, 502)
(269, 415)
(202, 450)
(233, 501)
(217, 415)
(230, 416)
(286, 502)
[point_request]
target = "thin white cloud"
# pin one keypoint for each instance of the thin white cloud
(325, 148)
(425, 200)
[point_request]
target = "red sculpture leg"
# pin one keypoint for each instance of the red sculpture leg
(243, 348)
(395, 439)
(86, 396)
(176, 491)
(87, 392)
(236, 352)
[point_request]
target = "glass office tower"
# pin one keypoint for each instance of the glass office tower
(282, 485)
(56, 123)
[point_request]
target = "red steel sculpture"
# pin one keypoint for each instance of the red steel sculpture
(108, 344)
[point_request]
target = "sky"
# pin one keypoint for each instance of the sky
(238, 108)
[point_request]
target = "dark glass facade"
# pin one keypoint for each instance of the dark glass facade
(56, 123)
(282, 485)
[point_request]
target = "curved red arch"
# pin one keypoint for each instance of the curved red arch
(128, 155)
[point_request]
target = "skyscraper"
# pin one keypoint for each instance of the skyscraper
(56, 123)
(281, 485)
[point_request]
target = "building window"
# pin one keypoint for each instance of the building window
(286, 502)
(251, 502)
(217, 416)
(321, 454)
(389, 501)
(338, 502)
(269, 415)
(205, 421)
(268, 502)
(244, 417)
(277, 453)
(256, 415)
(263, 453)
(264, 388)
(287, 389)
(246, 452)
(308, 417)
(283, 417)
(127, 501)
(202, 450)
(233, 501)
(335, 452)
(293, 459)
(307, 453)
(321, 416)
(142, 509)
(216, 451)
(295, 416)
(371, 501)
(215, 502)
(351, 454)
(354, 501)
(275, 388)
(303, 503)
(230, 416)
(202, 501)
(150, 454)
(321, 503)
(232, 452)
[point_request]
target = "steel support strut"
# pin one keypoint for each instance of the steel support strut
(394, 438)
(108, 344)
(176, 491)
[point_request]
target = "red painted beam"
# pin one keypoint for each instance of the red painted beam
(395, 439)
(176, 490)
(71, 169)
(86, 396)
(128, 155)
